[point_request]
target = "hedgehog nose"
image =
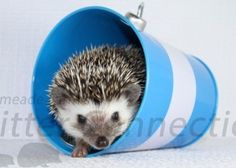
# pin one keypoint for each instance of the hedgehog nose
(101, 142)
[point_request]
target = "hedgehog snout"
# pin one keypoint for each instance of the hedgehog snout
(102, 142)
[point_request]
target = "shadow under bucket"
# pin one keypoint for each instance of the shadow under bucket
(180, 97)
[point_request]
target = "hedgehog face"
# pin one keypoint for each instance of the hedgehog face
(99, 124)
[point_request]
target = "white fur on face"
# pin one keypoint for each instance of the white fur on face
(67, 115)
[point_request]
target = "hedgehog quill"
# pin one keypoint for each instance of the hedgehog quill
(96, 94)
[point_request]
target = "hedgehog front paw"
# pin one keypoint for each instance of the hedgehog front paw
(81, 149)
(80, 152)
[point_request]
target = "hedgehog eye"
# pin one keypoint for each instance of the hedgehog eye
(81, 119)
(115, 116)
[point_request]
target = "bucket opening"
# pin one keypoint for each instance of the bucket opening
(76, 32)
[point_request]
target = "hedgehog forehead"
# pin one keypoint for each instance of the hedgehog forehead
(106, 108)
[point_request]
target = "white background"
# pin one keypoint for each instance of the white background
(205, 28)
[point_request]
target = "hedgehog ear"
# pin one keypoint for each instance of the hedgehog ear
(59, 96)
(132, 92)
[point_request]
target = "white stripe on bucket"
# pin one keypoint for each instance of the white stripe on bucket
(182, 101)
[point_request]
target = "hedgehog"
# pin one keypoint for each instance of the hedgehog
(95, 95)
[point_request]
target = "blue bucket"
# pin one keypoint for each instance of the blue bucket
(180, 97)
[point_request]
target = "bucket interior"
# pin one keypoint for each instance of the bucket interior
(76, 32)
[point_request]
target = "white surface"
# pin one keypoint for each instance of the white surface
(209, 153)
(206, 28)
